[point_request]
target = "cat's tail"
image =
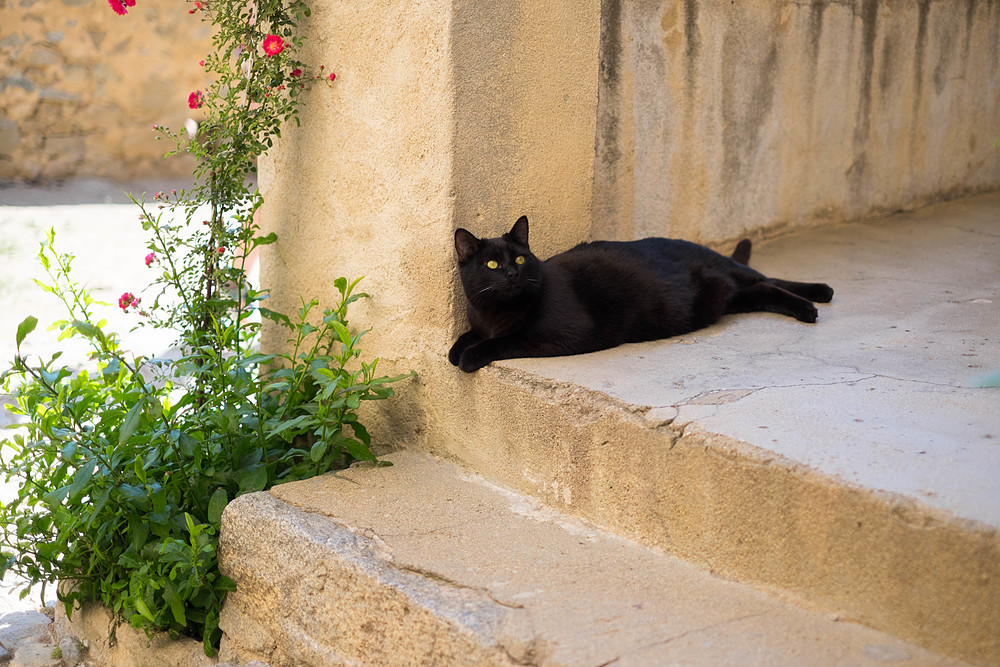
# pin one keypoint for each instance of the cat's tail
(742, 252)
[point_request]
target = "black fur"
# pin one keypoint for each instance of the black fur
(602, 294)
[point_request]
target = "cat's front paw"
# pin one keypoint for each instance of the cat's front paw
(471, 362)
(464, 342)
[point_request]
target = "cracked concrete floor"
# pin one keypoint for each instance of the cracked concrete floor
(881, 392)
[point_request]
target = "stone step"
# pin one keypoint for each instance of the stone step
(852, 463)
(426, 563)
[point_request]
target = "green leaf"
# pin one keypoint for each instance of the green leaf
(224, 583)
(131, 422)
(362, 433)
(51, 377)
(141, 607)
(87, 329)
(135, 496)
(251, 479)
(159, 498)
(99, 504)
(69, 450)
(318, 449)
(186, 443)
(26, 327)
(177, 609)
(216, 505)
(80, 481)
(358, 450)
(342, 333)
(55, 496)
(139, 532)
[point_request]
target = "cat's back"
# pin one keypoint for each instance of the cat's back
(603, 272)
(664, 257)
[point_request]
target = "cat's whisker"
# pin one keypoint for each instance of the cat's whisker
(484, 290)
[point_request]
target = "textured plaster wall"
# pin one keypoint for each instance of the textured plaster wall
(718, 119)
(81, 87)
(605, 118)
(443, 114)
(600, 118)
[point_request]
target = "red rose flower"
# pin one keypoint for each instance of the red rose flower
(150, 258)
(196, 99)
(128, 300)
(119, 7)
(273, 45)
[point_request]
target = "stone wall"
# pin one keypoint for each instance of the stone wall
(81, 87)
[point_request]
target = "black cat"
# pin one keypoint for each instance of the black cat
(602, 294)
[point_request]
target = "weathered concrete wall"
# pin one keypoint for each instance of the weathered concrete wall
(444, 114)
(718, 118)
(604, 119)
(81, 87)
(710, 122)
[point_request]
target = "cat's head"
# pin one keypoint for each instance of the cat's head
(498, 270)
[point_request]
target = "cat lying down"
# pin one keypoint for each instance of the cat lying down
(602, 294)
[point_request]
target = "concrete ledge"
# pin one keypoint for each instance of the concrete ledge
(424, 563)
(314, 592)
(850, 464)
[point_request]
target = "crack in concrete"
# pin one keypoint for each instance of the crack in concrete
(668, 640)
(871, 375)
(750, 391)
(431, 531)
(440, 578)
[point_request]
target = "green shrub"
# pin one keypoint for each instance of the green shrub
(127, 464)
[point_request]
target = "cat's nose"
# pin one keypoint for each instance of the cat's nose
(511, 272)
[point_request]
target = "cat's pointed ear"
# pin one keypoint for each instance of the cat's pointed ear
(519, 232)
(465, 244)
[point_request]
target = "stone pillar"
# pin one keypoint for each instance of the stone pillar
(444, 114)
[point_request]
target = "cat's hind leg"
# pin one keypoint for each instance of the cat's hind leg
(768, 297)
(818, 292)
(714, 292)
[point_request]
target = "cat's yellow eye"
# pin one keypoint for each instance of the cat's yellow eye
(519, 259)
(492, 264)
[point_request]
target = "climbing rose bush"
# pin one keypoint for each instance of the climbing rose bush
(126, 464)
